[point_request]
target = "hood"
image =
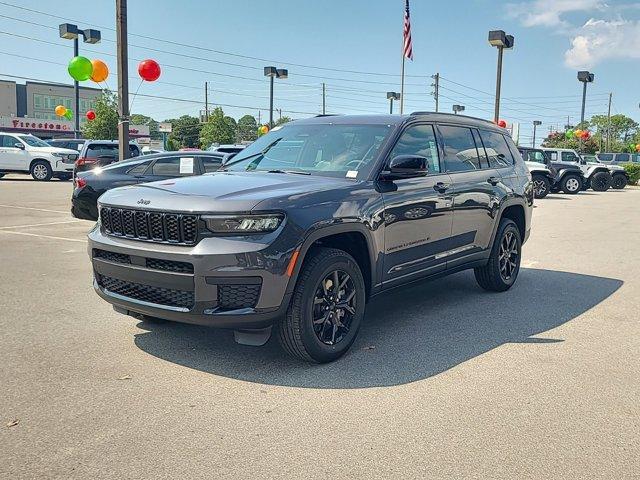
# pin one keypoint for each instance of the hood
(223, 192)
(536, 167)
(64, 151)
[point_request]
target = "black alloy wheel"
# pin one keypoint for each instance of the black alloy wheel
(509, 255)
(334, 305)
(601, 181)
(541, 186)
(503, 266)
(619, 181)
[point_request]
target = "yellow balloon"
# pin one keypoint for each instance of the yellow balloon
(264, 129)
(100, 71)
(61, 110)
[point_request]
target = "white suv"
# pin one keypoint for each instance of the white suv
(20, 153)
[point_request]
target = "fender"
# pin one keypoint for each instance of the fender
(506, 204)
(318, 232)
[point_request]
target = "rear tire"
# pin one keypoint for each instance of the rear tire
(600, 181)
(618, 181)
(541, 186)
(41, 171)
(316, 328)
(501, 271)
(571, 184)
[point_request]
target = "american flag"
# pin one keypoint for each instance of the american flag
(408, 46)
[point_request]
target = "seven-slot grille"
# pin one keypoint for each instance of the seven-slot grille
(150, 226)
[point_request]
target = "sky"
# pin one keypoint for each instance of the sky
(353, 46)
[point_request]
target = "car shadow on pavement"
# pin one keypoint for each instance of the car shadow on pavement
(410, 334)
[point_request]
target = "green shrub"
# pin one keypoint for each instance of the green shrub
(633, 169)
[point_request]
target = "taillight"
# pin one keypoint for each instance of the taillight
(85, 161)
(79, 182)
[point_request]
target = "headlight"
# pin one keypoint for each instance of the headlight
(240, 224)
(59, 155)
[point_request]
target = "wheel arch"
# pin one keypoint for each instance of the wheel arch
(39, 159)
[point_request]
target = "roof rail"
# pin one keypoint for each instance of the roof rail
(328, 115)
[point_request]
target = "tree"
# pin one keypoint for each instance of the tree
(138, 119)
(247, 129)
(282, 121)
(559, 140)
(185, 132)
(219, 129)
(105, 125)
(622, 127)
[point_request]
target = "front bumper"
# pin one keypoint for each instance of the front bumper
(219, 282)
(60, 166)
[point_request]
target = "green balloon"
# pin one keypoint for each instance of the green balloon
(80, 68)
(569, 134)
(68, 114)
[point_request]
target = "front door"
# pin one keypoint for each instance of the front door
(417, 211)
(12, 157)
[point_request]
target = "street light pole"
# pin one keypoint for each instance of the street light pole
(393, 96)
(76, 95)
(458, 108)
(123, 79)
(501, 40)
(272, 73)
(535, 124)
(584, 77)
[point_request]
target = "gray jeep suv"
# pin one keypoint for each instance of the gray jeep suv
(305, 225)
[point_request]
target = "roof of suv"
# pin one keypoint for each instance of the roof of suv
(401, 119)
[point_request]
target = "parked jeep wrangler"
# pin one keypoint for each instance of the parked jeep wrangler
(567, 177)
(596, 176)
(619, 176)
(313, 219)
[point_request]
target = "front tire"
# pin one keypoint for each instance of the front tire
(571, 184)
(41, 171)
(501, 271)
(619, 181)
(541, 186)
(601, 181)
(326, 308)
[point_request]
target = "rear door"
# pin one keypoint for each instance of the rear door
(172, 167)
(417, 211)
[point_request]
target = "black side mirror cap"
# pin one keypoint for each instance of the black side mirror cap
(406, 166)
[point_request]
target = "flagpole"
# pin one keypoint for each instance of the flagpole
(402, 82)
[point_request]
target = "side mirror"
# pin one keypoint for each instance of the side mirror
(583, 161)
(19, 145)
(406, 166)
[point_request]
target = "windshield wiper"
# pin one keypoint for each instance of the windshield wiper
(299, 172)
(235, 160)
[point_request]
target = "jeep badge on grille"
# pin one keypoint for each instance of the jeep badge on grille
(142, 201)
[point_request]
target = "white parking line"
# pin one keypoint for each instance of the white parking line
(33, 208)
(43, 236)
(40, 224)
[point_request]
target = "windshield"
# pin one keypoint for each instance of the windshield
(33, 141)
(321, 149)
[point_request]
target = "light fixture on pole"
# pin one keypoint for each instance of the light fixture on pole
(536, 123)
(392, 96)
(458, 108)
(273, 72)
(500, 40)
(69, 31)
(584, 77)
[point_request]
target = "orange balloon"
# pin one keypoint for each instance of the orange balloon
(100, 71)
(61, 110)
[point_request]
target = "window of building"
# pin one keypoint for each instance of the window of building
(497, 149)
(419, 140)
(460, 151)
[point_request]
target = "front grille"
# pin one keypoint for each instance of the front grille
(146, 293)
(238, 296)
(111, 256)
(169, 265)
(150, 226)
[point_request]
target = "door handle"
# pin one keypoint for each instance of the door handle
(441, 187)
(493, 180)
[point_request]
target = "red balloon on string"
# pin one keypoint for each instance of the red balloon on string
(502, 123)
(149, 70)
(91, 115)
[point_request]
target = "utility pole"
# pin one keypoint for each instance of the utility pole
(324, 102)
(609, 122)
(259, 117)
(123, 79)
(206, 101)
(436, 89)
(279, 113)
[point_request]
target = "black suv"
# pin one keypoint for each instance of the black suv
(302, 227)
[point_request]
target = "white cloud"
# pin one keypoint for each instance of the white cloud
(598, 40)
(549, 12)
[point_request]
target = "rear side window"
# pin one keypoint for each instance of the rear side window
(419, 140)
(568, 157)
(605, 157)
(139, 169)
(174, 167)
(211, 164)
(553, 155)
(497, 149)
(460, 151)
(533, 156)
(623, 157)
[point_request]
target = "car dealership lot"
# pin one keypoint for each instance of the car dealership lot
(445, 380)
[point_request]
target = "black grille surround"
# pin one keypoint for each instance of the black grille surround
(150, 226)
(232, 297)
(146, 293)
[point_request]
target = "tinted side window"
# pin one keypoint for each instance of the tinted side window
(419, 140)
(460, 151)
(497, 149)
(139, 169)
(605, 157)
(173, 167)
(100, 149)
(623, 157)
(211, 164)
(8, 141)
(568, 157)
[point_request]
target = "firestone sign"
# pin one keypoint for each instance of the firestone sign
(38, 125)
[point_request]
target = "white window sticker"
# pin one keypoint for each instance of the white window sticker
(352, 174)
(186, 165)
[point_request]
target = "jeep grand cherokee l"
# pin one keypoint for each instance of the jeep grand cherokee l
(305, 225)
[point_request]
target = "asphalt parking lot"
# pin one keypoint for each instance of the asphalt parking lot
(444, 381)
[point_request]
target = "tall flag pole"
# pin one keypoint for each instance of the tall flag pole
(407, 49)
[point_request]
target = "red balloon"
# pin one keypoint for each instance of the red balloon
(149, 70)
(502, 123)
(91, 115)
